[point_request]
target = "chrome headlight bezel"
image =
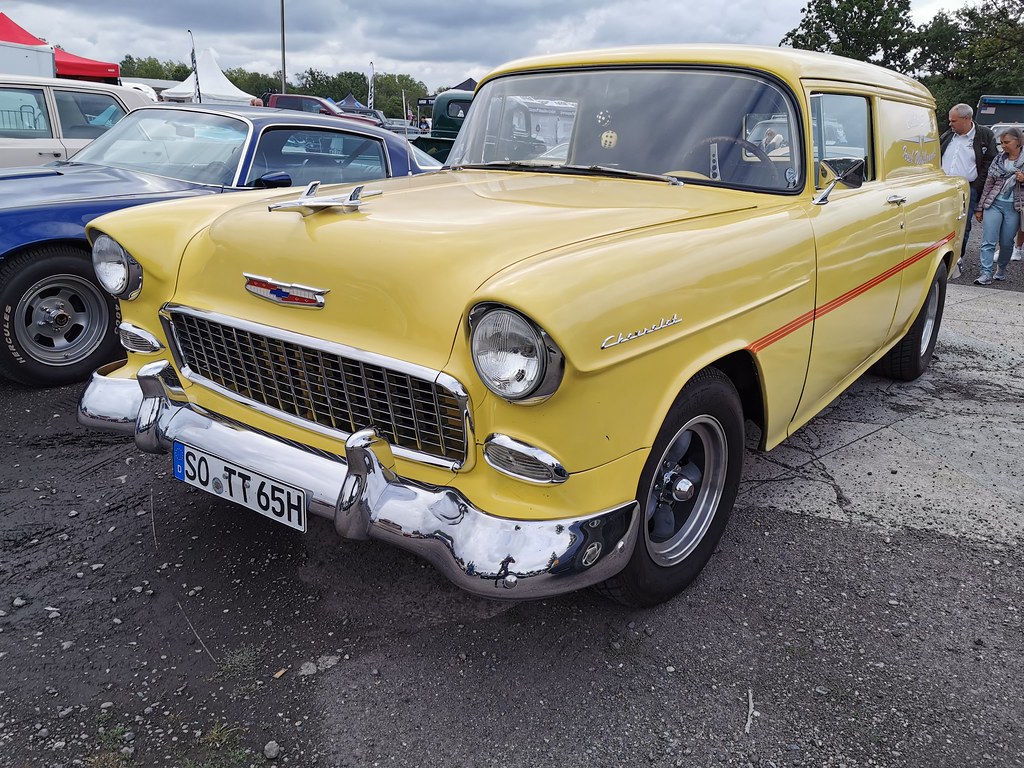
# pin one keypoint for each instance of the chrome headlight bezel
(550, 358)
(117, 271)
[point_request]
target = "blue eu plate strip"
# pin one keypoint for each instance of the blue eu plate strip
(179, 461)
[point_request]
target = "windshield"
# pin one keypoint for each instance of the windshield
(691, 124)
(422, 159)
(178, 143)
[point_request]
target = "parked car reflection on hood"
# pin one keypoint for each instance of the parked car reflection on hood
(62, 325)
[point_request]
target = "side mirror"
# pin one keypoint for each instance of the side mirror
(848, 171)
(273, 180)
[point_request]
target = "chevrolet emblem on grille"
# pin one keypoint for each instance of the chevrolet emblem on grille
(289, 294)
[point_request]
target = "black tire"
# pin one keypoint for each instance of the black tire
(57, 324)
(912, 354)
(700, 444)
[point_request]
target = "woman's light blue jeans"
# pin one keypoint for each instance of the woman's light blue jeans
(999, 224)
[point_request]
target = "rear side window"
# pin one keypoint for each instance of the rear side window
(841, 129)
(23, 114)
(86, 115)
(300, 104)
(311, 154)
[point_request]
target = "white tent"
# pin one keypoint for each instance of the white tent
(214, 88)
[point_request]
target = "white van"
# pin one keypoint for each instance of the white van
(43, 119)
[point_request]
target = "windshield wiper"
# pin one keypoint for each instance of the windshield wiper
(605, 170)
(499, 165)
(590, 170)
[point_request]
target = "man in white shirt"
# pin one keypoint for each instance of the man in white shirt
(967, 150)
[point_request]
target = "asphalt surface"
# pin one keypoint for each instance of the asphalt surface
(864, 608)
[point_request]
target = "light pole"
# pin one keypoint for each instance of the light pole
(282, 47)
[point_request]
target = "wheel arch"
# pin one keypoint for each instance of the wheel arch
(78, 243)
(741, 368)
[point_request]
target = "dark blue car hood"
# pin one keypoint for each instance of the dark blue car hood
(26, 187)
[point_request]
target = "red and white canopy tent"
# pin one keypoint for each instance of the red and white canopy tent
(67, 64)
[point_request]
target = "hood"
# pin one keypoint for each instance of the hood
(29, 187)
(401, 271)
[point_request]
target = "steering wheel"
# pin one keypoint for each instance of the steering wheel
(749, 146)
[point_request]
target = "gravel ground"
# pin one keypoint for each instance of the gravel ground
(864, 609)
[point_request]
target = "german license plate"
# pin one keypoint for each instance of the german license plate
(281, 502)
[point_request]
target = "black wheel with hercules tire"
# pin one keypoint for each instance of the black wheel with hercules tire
(686, 492)
(912, 354)
(56, 324)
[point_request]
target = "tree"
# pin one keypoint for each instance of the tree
(978, 50)
(255, 83)
(992, 59)
(313, 82)
(389, 89)
(879, 31)
(939, 41)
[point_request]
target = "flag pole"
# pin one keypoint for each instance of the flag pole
(369, 97)
(197, 95)
(282, 47)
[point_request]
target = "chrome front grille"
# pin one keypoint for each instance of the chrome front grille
(323, 384)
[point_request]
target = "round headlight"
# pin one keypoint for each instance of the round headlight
(117, 271)
(508, 353)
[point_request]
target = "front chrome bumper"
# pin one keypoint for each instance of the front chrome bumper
(481, 553)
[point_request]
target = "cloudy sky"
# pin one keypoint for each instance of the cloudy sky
(436, 41)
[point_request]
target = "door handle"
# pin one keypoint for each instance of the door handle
(896, 199)
(44, 154)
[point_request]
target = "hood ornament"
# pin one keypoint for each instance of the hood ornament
(308, 203)
(288, 294)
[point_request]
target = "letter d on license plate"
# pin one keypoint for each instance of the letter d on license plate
(276, 500)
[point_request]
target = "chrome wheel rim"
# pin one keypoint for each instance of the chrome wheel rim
(61, 320)
(931, 311)
(686, 490)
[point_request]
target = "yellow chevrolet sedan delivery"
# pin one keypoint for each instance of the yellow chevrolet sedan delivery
(536, 368)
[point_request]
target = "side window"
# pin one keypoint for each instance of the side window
(309, 154)
(86, 115)
(841, 129)
(23, 114)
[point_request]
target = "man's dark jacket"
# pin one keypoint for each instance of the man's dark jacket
(984, 152)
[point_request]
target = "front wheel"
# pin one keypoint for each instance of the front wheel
(56, 324)
(686, 492)
(911, 355)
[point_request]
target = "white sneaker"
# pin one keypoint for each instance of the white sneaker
(1018, 253)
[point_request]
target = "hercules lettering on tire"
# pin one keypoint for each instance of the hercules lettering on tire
(686, 492)
(57, 324)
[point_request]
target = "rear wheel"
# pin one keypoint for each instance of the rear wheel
(686, 492)
(912, 354)
(56, 324)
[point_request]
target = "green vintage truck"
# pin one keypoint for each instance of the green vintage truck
(449, 110)
(522, 117)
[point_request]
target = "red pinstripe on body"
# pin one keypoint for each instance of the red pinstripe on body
(824, 309)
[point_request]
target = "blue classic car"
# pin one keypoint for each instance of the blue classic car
(56, 323)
